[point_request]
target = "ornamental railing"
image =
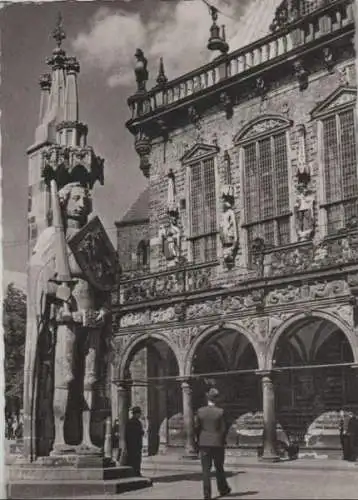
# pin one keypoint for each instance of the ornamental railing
(167, 283)
(336, 15)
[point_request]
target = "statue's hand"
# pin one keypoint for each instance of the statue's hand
(101, 315)
(64, 314)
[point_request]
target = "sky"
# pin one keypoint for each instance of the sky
(103, 36)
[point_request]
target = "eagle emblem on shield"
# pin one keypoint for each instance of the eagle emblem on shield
(96, 255)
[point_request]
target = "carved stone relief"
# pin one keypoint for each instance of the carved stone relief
(202, 309)
(306, 292)
(258, 326)
(162, 315)
(344, 312)
(135, 318)
(182, 339)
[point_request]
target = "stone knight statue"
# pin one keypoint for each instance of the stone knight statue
(171, 234)
(68, 327)
(228, 227)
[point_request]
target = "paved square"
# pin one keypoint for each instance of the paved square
(256, 483)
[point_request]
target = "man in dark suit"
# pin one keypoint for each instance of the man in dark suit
(134, 440)
(211, 429)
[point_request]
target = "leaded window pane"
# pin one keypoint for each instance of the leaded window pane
(266, 179)
(331, 160)
(281, 181)
(203, 210)
(266, 190)
(340, 170)
(348, 149)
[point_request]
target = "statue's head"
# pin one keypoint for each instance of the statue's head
(76, 202)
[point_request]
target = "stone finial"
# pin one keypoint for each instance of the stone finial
(58, 34)
(161, 78)
(216, 42)
(72, 65)
(45, 81)
(140, 70)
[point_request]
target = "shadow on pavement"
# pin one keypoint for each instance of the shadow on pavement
(234, 494)
(194, 476)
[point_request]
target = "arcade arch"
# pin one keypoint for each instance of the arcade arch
(311, 357)
(149, 369)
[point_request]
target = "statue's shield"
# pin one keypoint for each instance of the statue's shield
(95, 255)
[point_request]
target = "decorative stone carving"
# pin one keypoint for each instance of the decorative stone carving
(227, 104)
(288, 261)
(140, 70)
(257, 252)
(194, 117)
(305, 212)
(258, 326)
(202, 309)
(276, 320)
(345, 313)
(261, 87)
(328, 59)
(171, 234)
(143, 148)
(307, 292)
(171, 238)
(301, 74)
(135, 318)
(198, 278)
(341, 96)
(120, 344)
(162, 315)
(182, 338)
(228, 227)
(153, 287)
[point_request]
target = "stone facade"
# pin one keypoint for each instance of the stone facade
(206, 311)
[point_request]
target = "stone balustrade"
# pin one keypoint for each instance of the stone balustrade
(294, 259)
(166, 284)
(335, 16)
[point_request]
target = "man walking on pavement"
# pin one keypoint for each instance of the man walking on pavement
(134, 440)
(211, 429)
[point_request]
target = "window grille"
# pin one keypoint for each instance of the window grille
(203, 211)
(267, 204)
(340, 170)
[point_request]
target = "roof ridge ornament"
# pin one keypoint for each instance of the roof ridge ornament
(217, 42)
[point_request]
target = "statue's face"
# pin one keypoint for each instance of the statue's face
(78, 205)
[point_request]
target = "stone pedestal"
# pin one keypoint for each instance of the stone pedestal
(70, 476)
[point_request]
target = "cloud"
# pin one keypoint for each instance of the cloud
(176, 30)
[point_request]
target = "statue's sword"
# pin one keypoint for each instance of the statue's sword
(63, 275)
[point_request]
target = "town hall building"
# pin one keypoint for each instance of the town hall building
(240, 259)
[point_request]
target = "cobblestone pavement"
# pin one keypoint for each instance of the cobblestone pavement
(254, 484)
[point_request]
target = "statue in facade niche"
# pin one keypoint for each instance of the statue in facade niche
(171, 233)
(304, 212)
(228, 227)
(171, 238)
(68, 328)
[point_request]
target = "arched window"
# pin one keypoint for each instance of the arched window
(200, 162)
(338, 158)
(143, 254)
(264, 162)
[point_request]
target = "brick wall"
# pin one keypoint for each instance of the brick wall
(128, 238)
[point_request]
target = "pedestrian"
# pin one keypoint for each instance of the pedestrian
(345, 432)
(134, 440)
(211, 429)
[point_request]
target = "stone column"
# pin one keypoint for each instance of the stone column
(269, 416)
(188, 415)
(123, 411)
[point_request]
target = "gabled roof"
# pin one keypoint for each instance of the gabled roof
(139, 211)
